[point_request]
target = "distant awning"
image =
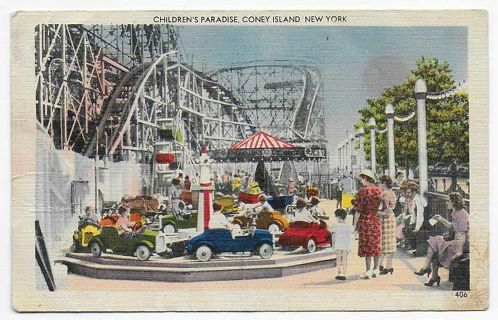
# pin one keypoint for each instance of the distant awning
(262, 140)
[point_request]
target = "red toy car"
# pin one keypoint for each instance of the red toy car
(309, 235)
(248, 198)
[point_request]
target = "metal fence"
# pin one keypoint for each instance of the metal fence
(447, 185)
(323, 181)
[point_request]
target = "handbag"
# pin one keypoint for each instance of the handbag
(382, 204)
(399, 231)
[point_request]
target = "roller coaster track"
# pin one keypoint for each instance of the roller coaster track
(133, 77)
(203, 106)
(94, 92)
(303, 120)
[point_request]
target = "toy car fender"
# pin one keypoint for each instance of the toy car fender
(196, 246)
(147, 243)
(161, 243)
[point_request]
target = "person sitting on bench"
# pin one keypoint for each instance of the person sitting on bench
(443, 250)
(413, 215)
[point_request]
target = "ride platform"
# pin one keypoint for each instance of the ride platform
(188, 269)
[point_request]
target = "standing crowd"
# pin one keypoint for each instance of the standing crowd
(385, 219)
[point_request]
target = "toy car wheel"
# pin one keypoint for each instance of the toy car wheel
(169, 229)
(273, 228)
(282, 190)
(96, 249)
(142, 252)
(311, 245)
(203, 253)
(74, 247)
(265, 251)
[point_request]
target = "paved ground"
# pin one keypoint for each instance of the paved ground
(403, 278)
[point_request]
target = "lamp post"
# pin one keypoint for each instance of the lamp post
(359, 134)
(346, 156)
(339, 156)
(353, 152)
(421, 94)
(372, 125)
(343, 156)
(96, 183)
(390, 139)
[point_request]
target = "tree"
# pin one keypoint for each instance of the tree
(447, 119)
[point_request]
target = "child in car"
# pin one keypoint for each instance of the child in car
(302, 213)
(218, 219)
(123, 223)
(89, 216)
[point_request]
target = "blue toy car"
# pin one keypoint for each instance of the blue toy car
(216, 241)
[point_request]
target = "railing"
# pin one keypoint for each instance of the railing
(323, 181)
(447, 185)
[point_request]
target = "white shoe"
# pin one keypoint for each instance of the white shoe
(367, 275)
(375, 273)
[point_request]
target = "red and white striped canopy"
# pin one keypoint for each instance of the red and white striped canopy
(262, 140)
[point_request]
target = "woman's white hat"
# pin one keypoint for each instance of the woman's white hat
(368, 173)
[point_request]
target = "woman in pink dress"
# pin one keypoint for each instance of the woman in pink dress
(369, 228)
(442, 251)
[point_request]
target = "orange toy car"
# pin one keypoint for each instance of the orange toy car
(272, 221)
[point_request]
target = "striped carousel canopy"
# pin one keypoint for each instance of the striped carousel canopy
(262, 140)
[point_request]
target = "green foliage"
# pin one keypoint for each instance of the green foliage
(447, 119)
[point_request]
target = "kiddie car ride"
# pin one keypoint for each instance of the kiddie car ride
(86, 231)
(141, 244)
(229, 205)
(272, 221)
(170, 223)
(251, 198)
(111, 219)
(218, 241)
(281, 203)
(309, 235)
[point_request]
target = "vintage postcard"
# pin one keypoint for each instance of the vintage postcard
(204, 161)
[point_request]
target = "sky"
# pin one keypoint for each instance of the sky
(356, 62)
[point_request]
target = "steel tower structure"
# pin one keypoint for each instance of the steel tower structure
(122, 91)
(123, 82)
(77, 68)
(283, 98)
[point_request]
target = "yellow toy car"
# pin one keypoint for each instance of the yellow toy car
(85, 233)
(228, 205)
(254, 188)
